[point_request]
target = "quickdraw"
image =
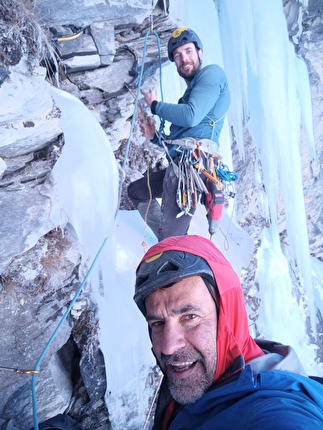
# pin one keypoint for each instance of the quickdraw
(193, 163)
(188, 186)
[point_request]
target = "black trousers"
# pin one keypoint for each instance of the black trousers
(138, 191)
(163, 184)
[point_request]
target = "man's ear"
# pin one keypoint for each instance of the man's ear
(200, 54)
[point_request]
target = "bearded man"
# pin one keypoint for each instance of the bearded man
(198, 115)
(216, 375)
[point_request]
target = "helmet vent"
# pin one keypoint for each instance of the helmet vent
(168, 266)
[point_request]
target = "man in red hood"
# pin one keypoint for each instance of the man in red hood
(216, 376)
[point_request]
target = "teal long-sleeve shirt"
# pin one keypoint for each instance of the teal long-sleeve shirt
(200, 112)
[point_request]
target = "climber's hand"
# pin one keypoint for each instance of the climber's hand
(149, 96)
(147, 127)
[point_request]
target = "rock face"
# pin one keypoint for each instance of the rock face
(30, 141)
(80, 13)
(91, 50)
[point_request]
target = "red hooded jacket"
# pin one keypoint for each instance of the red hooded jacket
(233, 336)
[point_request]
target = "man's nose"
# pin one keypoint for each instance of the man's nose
(173, 338)
(184, 57)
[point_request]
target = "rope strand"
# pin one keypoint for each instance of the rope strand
(152, 403)
(125, 160)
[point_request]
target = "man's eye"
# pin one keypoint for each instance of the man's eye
(156, 324)
(190, 317)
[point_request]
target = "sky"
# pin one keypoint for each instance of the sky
(270, 86)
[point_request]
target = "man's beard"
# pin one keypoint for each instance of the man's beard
(188, 77)
(188, 390)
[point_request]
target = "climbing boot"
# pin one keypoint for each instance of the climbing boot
(213, 224)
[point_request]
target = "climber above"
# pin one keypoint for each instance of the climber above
(199, 115)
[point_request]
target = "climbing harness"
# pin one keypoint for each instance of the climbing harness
(196, 160)
(207, 146)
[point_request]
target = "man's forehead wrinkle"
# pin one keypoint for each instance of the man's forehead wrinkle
(176, 311)
(186, 308)
(184, 47)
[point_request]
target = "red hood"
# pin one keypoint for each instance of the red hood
(233, 337)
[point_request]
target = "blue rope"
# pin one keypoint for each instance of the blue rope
(226, 175)
(137, 100)
(34, 376)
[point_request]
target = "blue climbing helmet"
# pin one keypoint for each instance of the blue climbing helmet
(180, 37)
